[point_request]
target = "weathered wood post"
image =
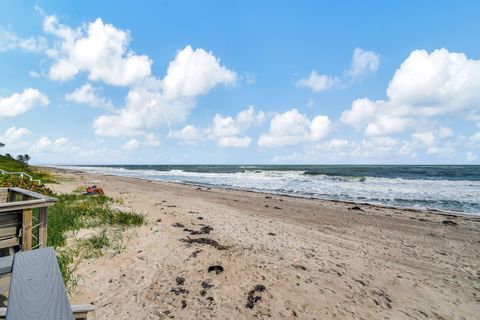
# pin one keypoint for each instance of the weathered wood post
(43, 227)
(27, 229)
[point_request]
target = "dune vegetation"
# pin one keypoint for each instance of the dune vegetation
(70, 214)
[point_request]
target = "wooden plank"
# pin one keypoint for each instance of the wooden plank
(10, 242)
(79, 311)
(6, 264)
(9, 215)
(5, 221)
(8, 231)
(37, 290)
(42, 229)
(20, 205)
(31, 194)
(27, 230)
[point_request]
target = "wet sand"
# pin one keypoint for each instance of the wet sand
(208, 253)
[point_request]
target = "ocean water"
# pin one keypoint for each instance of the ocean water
(445, 188)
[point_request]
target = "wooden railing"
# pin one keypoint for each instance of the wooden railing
(16, 218)
(21, 174)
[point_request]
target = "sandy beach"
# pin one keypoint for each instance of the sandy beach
(278, 257)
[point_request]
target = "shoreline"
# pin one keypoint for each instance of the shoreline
(314, 259)
(384, 206)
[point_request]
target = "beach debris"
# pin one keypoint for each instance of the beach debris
(171, 206)
(178, 225)
(272, 234)
(180, 281)
(215, 268)
(268, 197)
(205, 285)
(278, 208)
(252, 299)
(449, 223)
(195, 253)
(203, 230)
(206, 241)
(211, 303)
(199, 218)
(159, 220)
(356, 208)
(299, 266)
(178, 291)
(184, 304)
(267, 206)
(193, 212)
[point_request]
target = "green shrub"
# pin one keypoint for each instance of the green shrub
(25, 183)
(12, 165)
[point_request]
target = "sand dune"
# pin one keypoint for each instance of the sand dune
(277, 257)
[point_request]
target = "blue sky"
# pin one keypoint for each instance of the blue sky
(240, 82)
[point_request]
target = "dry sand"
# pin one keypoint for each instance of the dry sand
(314, 259)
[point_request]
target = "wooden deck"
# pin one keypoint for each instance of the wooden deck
(36, 288)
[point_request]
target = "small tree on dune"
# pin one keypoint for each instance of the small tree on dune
(26, 158)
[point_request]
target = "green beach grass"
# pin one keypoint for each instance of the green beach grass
(74, 212)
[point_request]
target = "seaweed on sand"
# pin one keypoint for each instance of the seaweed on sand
(205, 241)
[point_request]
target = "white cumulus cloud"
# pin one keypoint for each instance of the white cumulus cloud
(131, 144)
(194, 73)
(234, 142)
(99, 49)
(436, 83)
(13, 134)
(42, 144)
(425, 85)
(318, 82)
(19, 103)
(292, 127)
(363, 61)
(188, 133)
(226, 130)
(89, 95)
(164, 102)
